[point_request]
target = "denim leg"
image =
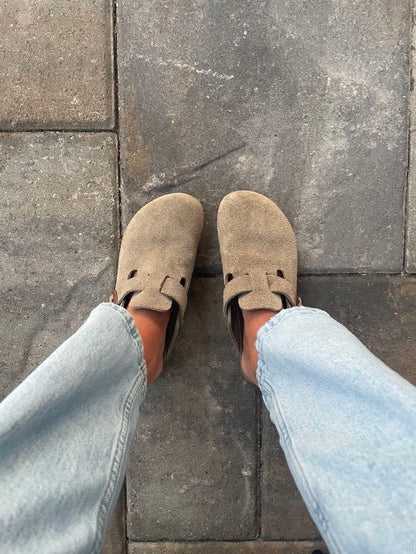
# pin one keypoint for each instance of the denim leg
(347, 425)
(65, 434)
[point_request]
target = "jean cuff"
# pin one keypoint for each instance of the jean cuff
(132, 331)
(269, 326)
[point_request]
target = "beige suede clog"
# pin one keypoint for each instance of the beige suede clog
(157, 257)
(259, 258)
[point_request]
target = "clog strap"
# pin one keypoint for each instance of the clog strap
(260, 284)
(173, 289)
(153, 292)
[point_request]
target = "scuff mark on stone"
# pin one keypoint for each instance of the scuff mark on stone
(189, 67)
(164, 181)
(169, 180)
(220, 157)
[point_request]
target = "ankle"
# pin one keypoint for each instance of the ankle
(151, 326)
(253, 321)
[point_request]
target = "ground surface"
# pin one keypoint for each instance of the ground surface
(105, 107)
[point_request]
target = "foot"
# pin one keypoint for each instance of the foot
(151, 326)
(253, 320)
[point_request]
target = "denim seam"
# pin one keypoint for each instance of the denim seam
(284, 436)
(137, 387)
(283, 432)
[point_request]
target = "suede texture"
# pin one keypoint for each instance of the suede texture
(157, 256)
(259, 257)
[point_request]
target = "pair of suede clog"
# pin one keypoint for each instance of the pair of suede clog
(159, 246)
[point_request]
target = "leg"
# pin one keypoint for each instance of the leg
(65, 434)
(347, 426)
(65, 431)
(346, 421)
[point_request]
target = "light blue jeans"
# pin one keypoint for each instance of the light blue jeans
(347, 424)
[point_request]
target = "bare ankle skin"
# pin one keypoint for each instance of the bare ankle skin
(253, 320)
(151, 326)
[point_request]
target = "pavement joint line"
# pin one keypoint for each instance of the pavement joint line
(118, 205)
(117, 119)
(232, 541)
(68, 131)
(411, 96)
(352, 274)
(404, 274)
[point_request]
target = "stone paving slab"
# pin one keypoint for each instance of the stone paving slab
(192, 471)
(56, 68)
(255, 547)
(58, 241)
(58, 249)
(381, 311)
(304, 103)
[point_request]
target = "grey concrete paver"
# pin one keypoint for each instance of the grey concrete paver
(175, 488)
(254, 547)
(306, 104)
(58, 249)
(192, 469)
(56, 68)
(58, 241)
(381, 311)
